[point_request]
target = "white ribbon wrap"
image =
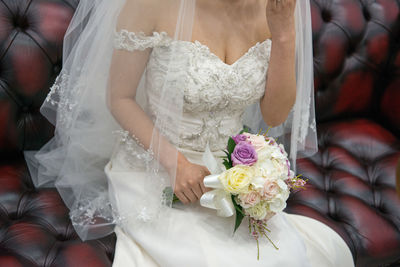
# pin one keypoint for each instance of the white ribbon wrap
(218, 198)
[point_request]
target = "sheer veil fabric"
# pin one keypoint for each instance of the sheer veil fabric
(80, 104)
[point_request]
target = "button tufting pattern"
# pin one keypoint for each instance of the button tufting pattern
(351, 179)
(35, 229)
(357, 81)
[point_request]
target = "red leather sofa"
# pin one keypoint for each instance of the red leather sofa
(357, 88)
(351, 179)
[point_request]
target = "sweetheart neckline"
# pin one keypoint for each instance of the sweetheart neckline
(211, 53)
(251, 49)
(196, 43)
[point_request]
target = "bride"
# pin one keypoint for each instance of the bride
(146, 87)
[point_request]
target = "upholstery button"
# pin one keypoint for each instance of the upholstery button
(21, 23)
(367, 15)
(326, 16)
(351, 50)
(13, 216)
(331, 191)
(25, 109)
(333, 216)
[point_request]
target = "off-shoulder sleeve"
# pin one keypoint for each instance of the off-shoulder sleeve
(131, 41)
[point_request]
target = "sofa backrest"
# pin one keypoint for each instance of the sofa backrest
(357, 63)
(31, 37)
(357, 60)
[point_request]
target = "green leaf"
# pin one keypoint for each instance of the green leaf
(227, 165)
(231, 145)
(245, 130)
(227, 154)
(175, 199)
(238, 221)
(239, 214)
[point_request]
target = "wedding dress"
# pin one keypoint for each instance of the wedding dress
(215, 99)
(176, 90)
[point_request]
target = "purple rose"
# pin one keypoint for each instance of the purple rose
(244, 154)
(239, 138)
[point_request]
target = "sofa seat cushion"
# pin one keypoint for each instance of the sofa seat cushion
(352, 188)
(35, 229)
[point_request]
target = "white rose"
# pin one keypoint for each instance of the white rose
(264, 153)
(283, 185)
(259, 211)
(277, 153)
(283, 149)
(264, 167)
(280, 167)
(278, 203)
(258, 182)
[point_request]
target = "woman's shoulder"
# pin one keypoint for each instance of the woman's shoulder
(149, 16)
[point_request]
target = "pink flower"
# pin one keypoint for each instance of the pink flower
(300, 183)
(270, 190)
(258, 141)
(244, 154)
(249, 200)
(289, 182)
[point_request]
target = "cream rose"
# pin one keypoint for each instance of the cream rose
(236, 180)
(259, 211)
(270, 190)
(258, 141)
(249, 200)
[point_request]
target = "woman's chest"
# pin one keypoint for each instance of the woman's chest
(206, 82)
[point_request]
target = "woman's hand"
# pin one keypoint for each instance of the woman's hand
(280, 17)
(189, 186)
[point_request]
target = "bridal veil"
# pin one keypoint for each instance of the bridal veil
(86, 122)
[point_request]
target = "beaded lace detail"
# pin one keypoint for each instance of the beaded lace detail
(63, 95)
(215, 94)
(132, 41)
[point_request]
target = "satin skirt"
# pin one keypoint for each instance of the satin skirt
(195, 236)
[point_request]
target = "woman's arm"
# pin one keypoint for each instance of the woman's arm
(280, 91)
(127, 68)
(125, 73)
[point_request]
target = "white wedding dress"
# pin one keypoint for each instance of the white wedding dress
(214, 103)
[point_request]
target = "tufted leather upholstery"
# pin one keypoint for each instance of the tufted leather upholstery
(398, 178)
(35, 229)
(351, 180)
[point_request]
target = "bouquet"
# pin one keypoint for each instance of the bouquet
(255, 184)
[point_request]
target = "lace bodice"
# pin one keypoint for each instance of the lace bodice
(215, 94)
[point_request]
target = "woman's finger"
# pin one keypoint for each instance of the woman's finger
(203, 187)
(271, 4)
(280, 4)
(182, 198)
(190, 195)
(197, 191)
